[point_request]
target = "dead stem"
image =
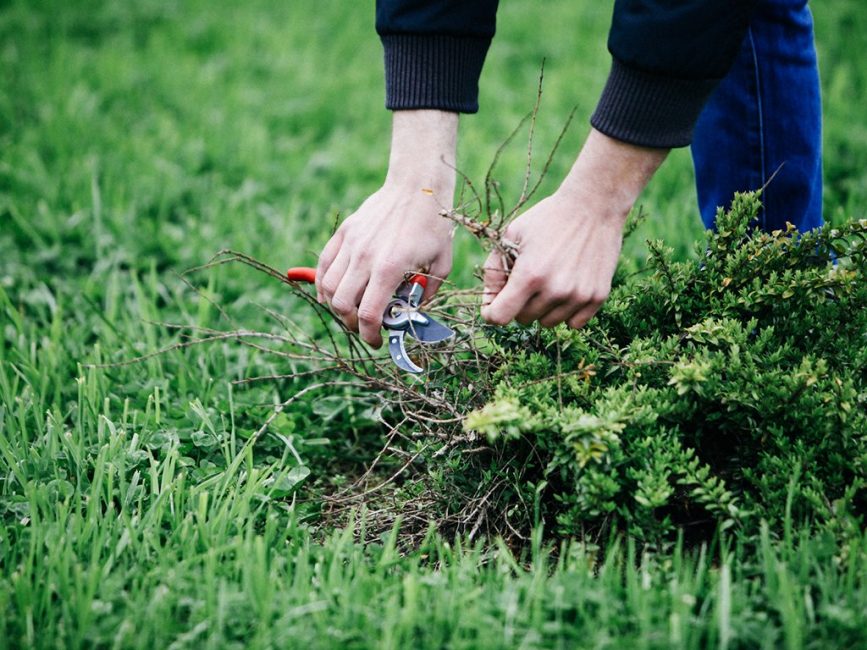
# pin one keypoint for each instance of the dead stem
(428, 411)
(534, 114)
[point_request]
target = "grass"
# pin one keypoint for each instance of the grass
(136, 140)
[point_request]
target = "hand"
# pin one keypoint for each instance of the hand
(568, 252)
(395, 231)
(398, 229)
(569, 243)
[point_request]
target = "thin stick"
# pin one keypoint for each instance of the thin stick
(489, 182)
(550, 158)
(535, 112)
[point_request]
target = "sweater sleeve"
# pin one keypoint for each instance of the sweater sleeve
(434, 51)
(668, 56)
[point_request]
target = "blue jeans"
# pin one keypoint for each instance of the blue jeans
(764, 120)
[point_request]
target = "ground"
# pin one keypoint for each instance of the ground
(137, 140)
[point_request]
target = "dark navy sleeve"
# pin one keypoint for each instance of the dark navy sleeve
(668, 56)
(434, 51)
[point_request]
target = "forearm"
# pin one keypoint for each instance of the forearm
(423, 149)
(609, 175)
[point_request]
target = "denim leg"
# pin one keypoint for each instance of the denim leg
(764, 118)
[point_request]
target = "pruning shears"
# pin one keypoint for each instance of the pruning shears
(401, 317)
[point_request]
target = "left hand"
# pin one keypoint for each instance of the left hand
(568, 244)
(568, 251)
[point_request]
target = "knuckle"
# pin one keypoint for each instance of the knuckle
(388, 267)
(341, 306)
(599, 296)
(583, 297)
(362, 256)
(369, 316)
(559, 294)
(533, 279)
(329, 286)
(581, 301)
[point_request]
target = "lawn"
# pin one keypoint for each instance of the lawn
(140, 508)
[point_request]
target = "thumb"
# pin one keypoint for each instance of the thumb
(510, 300)
(439, 271)
(496, 274)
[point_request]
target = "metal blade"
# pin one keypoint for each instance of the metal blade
(398, 353)
(429, 331)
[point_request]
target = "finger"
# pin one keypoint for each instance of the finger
(495, 277)
(509, 302)
(439, 271)
(380, 289)
(583, 315)
(326, 259)
(330, 280)
(348, 295)
(537, 306)
(560, 314)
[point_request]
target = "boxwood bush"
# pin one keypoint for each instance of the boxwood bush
(703, 394)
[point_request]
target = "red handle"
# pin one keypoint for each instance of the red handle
(308, 274)
(301, 274)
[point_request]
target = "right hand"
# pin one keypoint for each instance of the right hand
(397, 230)
(568, 244)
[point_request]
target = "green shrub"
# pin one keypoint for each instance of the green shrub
(702, 394)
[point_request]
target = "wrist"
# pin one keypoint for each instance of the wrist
(423, 148)
(423, 179)
(609, 175)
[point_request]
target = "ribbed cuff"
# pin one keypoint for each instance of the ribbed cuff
(433, 71)
(650, 110)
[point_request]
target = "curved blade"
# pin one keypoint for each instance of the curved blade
(429, 331)
(398, 353)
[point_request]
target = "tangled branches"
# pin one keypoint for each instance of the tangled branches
(421, 418)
